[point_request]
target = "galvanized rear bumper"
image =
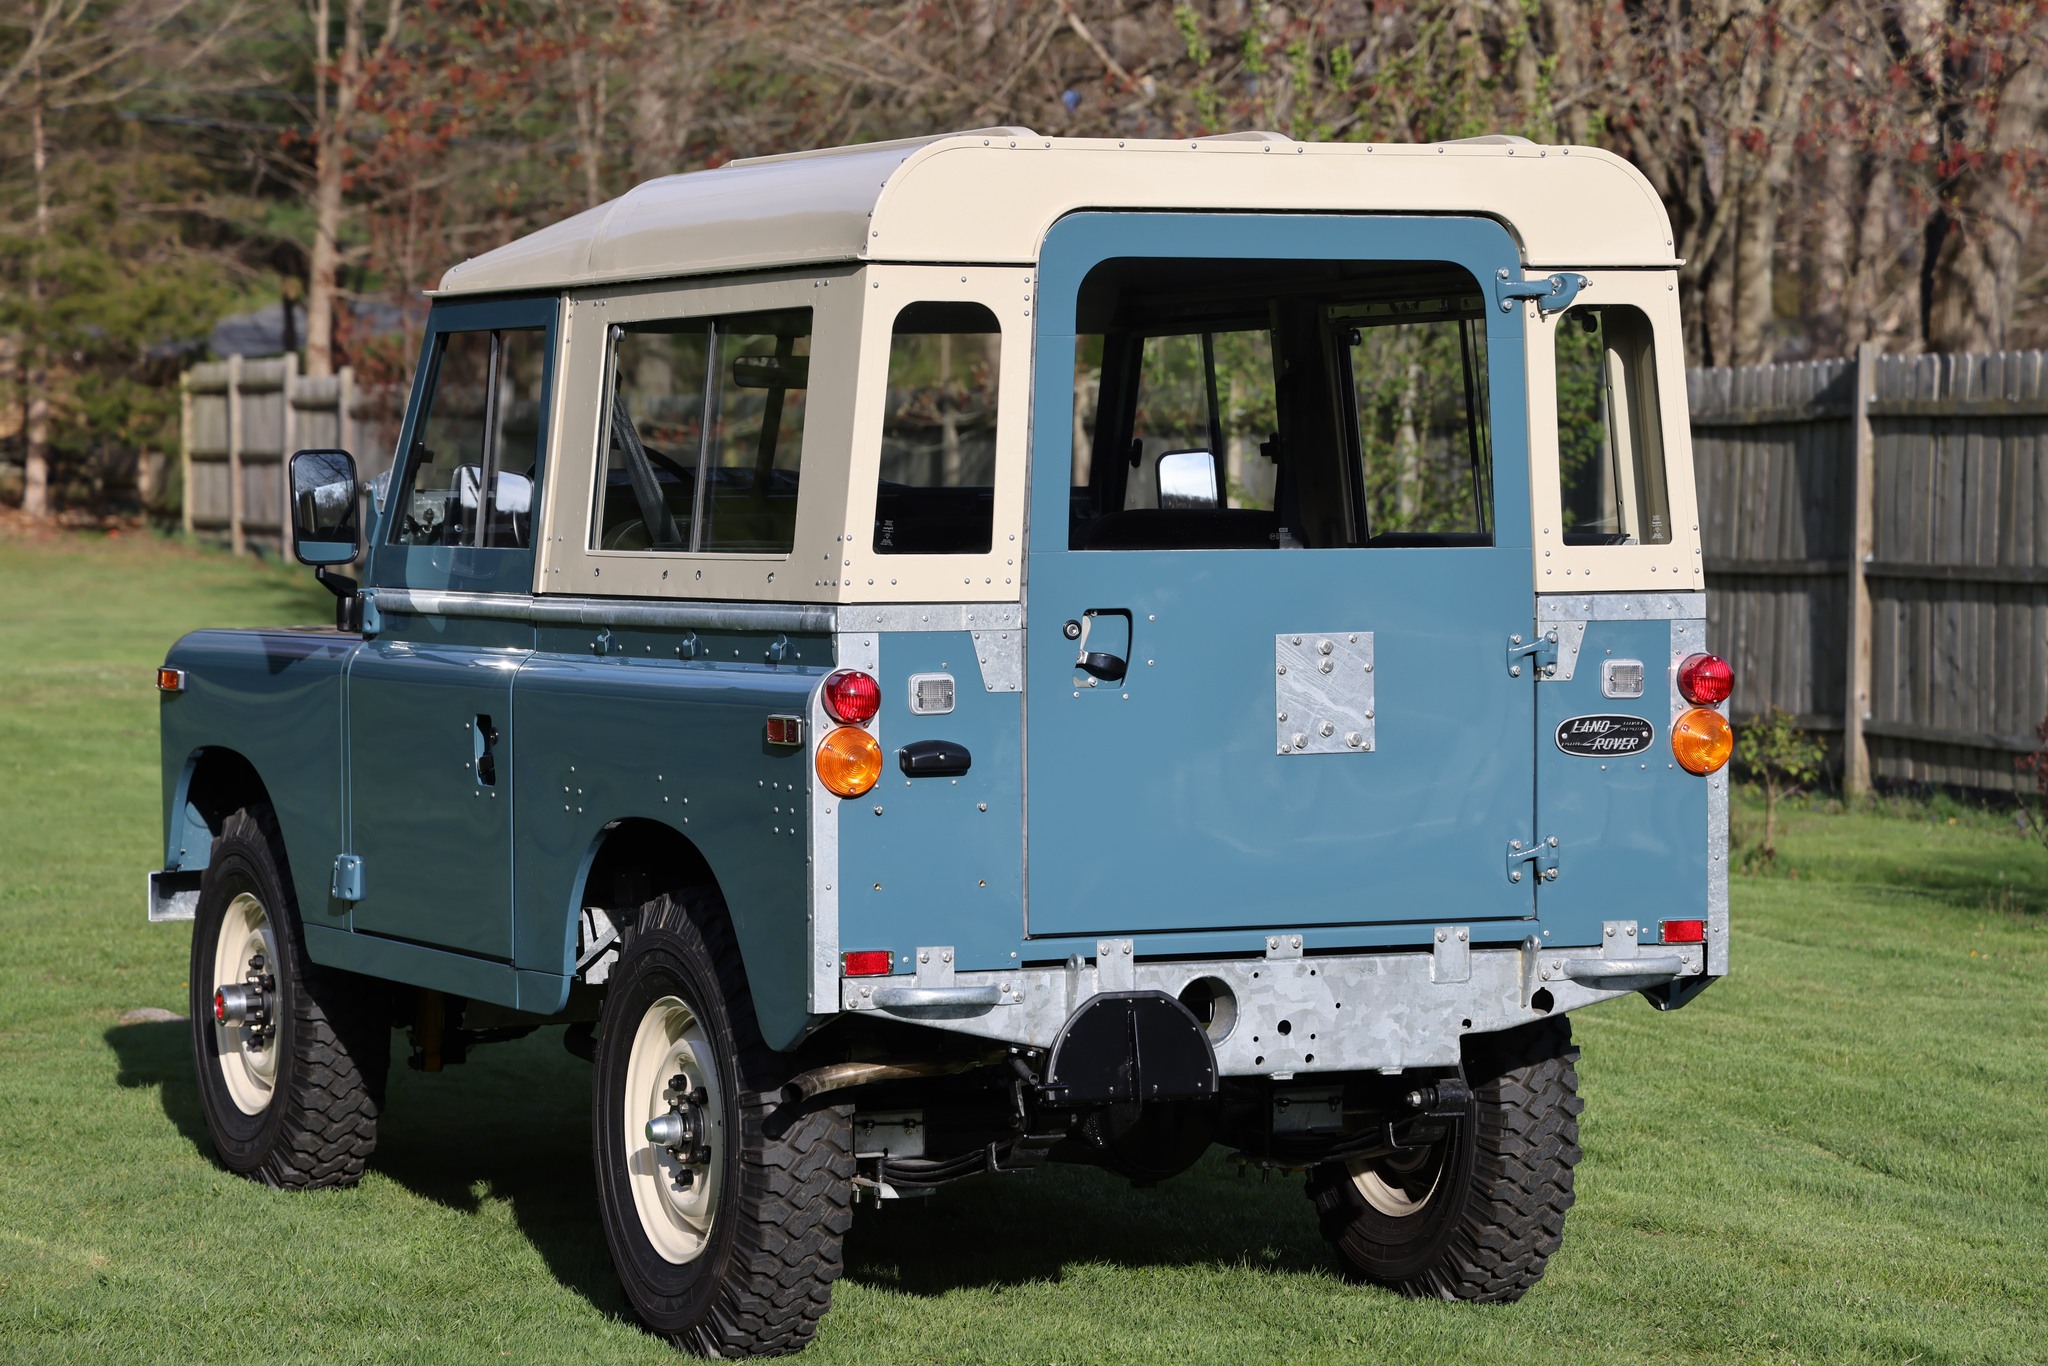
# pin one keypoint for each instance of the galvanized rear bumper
(1296, 1014)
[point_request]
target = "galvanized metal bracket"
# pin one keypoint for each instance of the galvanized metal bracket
(1540, 856)
(1451, 955)
(347, 883)
(1552, 293)
(1280, 946)
(1116, 965)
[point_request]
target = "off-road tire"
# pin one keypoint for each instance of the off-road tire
(760, 1278)
(1496, 1211)
(315, 1123)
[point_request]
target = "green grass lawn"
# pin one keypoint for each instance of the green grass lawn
(1840, 1153)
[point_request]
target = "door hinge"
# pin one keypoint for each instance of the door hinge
(1552, 293)
(1542, 856)
(348, 878)
(1541, 653)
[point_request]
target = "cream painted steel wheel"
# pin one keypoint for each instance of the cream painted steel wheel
(672, 1070)
(1400, 1184)
(247, 1052)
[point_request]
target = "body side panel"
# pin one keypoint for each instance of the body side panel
(276, 699)
(637, 732)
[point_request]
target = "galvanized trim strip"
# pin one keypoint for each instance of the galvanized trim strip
(549, 610)
(1620, 606)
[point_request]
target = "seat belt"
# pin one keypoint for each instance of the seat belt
(654, 514)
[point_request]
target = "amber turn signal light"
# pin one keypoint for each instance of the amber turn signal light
(1702, 740)
(849, 761)
(170, 680)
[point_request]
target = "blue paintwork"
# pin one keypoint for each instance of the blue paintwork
(274, 698)
(934, 868)
(1161, 805)
(681, 744)
(1631, 835)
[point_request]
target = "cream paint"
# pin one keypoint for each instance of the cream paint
(990, 196)
(1560, 568)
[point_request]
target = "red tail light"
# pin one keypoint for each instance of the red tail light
(1685, 931)
(868, 963)
(1705, 679)
(852, 697)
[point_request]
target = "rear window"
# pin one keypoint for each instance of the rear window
(1278, 404)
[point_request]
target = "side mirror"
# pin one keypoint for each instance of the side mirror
(1187, 479)
(325, 520)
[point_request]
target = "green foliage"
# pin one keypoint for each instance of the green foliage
(1782, 759)
(124, 276)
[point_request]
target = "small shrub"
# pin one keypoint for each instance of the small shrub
(1782, 759)
(2033, 799)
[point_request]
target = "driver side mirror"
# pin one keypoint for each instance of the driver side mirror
(325, 518)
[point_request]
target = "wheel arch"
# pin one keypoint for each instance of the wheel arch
(634, 859)
(213, 784)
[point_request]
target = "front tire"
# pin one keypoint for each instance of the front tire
(1477, 1215)
(727, 1227)
(291, 1095)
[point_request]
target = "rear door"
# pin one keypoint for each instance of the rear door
(1279, 545)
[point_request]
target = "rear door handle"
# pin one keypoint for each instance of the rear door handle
(1107, 667)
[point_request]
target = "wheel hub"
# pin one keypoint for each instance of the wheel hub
(679, 1130)
(247, 1002)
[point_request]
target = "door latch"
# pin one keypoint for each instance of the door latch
(1540, 856)
(1552, 293)
(1541, 653)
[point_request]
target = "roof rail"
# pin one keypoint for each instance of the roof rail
(1495, 140)
(907, 144)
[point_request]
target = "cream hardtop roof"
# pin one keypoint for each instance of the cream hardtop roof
(990, 195)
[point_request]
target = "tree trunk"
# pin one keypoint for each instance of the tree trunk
(1973, 267)
(35, 490)
(334, 111)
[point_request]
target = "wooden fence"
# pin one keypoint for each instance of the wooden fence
(1876, 540)
(241, 419)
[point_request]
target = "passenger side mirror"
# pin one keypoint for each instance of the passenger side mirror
(1187, 480)
(325, 521)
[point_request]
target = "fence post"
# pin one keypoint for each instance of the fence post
(185, 452)
(235, 510)
(287, 440)
(1862, 544)
(344, 399)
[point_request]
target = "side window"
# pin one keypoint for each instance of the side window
(1418, 389)
(469, 478)
(1609, 433)
(937, 489)
(704, 434)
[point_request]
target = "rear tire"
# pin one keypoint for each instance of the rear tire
(1478, 1215)
(726, 1244)
(291, 1101)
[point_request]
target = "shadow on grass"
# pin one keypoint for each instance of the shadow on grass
(512, 1126)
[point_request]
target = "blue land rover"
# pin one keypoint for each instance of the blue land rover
(936, 657)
